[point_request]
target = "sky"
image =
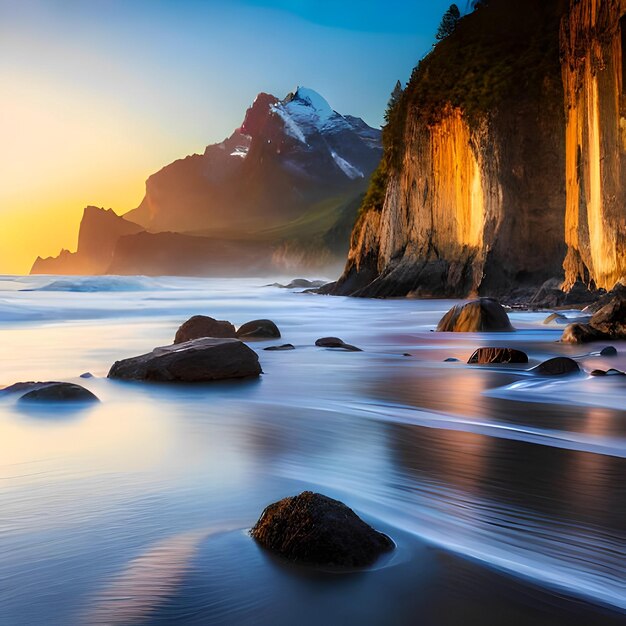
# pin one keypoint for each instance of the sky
(98, 94)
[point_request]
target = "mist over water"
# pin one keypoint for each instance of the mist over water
(504, 492)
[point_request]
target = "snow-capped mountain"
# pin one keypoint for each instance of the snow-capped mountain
(287, 155)
(283, 186)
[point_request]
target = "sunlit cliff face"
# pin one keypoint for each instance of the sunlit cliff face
(595, 150)
(458, 196)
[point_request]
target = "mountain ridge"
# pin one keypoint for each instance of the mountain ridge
(287, 158)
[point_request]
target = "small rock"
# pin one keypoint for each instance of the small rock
(57, 392)
(329, 342)
(86, 375)
(614, 372)
(204, 326)
(482, 315)
(557, 318)
(314, 529)
(498, 355)
(285, 346)
(303, 283)
(558, 366)
(598, 373)
(451, 359)
(335, 342)
(258, 329)
(407, 354)
(198, 360)
(608, 351)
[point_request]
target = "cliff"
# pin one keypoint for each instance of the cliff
(594, 70)
(98, 234)
(470, 195)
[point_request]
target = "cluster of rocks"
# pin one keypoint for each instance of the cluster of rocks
(487, 315)
(608, 321)
(200, 326)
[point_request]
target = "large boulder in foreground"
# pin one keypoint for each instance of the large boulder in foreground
(51, 391)
(258, 329)
(484, 356)
(204, 326)
(317, 530)
(474, 316)
(608, 322)
(198, 360)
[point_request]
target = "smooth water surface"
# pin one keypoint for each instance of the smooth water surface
(504, 492)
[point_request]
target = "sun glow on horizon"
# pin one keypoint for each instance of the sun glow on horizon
(100, 95)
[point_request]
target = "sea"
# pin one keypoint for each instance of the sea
(503, 491)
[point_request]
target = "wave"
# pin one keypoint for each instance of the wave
(92, 284)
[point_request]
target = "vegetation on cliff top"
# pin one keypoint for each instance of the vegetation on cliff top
(500, 53)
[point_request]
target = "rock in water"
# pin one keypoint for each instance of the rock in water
(608, 351)
(53, 392)
(498, 355)
(335, 342)
(558, 366)
(317, 530)
(204, 326)
(198, 360)
(329, 342)
(481, 315)
(557, 318)
(258, 329)
(608, 322)
(285, 346)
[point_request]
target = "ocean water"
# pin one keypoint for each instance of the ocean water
(504, 492)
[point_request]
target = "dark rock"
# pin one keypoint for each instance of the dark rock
(204, 326)
(335, 342)
(198, 360)
(608, 351)
(329, 342)
(608, 322)
(498, 355)
(52, 392)
(558, 366)
(598, 373)
(618, 291)
(314, 529)
(614, 372)
(286, 346)
(258, 329)
(302, 283)
(407, 354)
(482, 315)
(86, 375)
(451, 359)
(550, 295)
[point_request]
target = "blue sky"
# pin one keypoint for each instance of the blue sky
(98, 94)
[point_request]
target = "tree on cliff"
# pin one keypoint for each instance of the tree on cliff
(396, 94)
(448, 22)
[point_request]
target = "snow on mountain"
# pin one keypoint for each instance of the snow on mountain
(347, 168)
(291, 126)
